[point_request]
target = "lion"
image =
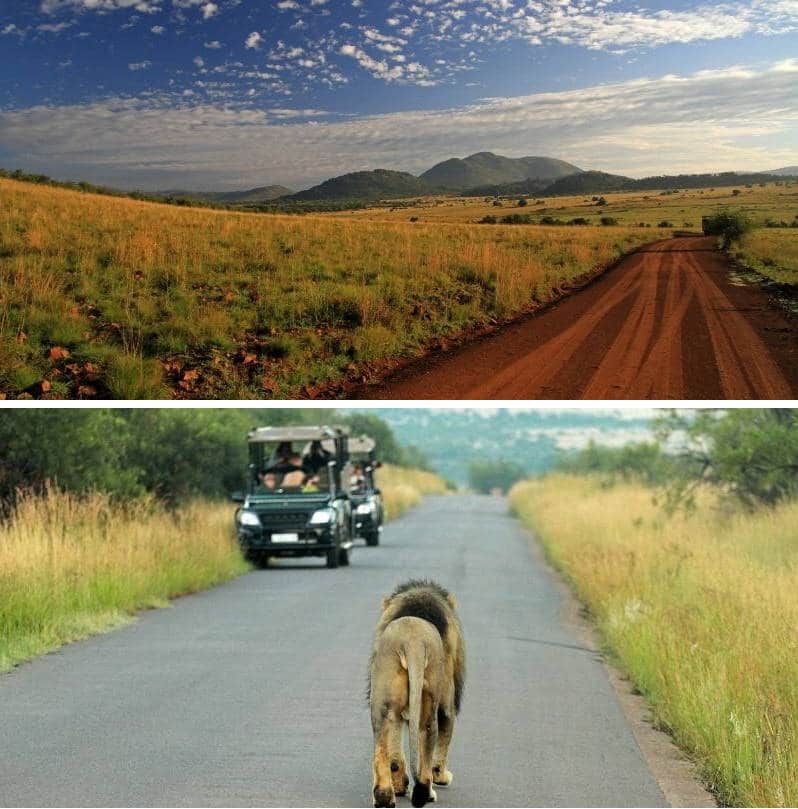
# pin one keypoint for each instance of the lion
(416, 676)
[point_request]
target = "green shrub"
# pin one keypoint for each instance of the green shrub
(516, 219)
(731, 226)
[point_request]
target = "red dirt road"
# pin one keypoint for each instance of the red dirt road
(664, 323)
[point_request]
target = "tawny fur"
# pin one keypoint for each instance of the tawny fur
(416, 677)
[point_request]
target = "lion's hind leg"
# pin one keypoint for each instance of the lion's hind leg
(401, 780)
(387, 759)
(428, 737)
(441, 776)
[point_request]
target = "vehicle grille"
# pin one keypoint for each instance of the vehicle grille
(284, 519)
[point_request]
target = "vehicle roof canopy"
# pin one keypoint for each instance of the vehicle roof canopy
(361, 445)
(261, 435)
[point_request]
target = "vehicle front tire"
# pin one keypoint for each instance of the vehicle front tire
(256, 559)
(332, 557)
(373, 538)
(343, 557)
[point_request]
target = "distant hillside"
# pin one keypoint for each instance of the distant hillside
(486, 168)
(522, 188)
(534, 439)
(588, 182)
(787, 171)
(264, 193)
(377, 184)
(600, 182)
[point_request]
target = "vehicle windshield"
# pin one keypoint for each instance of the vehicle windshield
(296, 467)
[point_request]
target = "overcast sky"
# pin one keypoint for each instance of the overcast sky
(236, 93)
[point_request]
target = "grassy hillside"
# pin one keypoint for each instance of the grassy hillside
(588, 182)
(486, 168)
(108, 297)
(264, 193)
(701, 612)
(364, 185)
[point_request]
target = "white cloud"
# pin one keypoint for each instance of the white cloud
(214, 45)
(142, 6)
(208, 10)
(10, 28)
(737, 118)
(253, 40)
(157, 29)
(199, 61)
(145, 65)
(54, 28)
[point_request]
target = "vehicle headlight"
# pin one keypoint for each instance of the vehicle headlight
(322, 517)
(364, 508)
(248, 518)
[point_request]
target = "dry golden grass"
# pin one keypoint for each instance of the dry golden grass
(701, 611)
(772, 252)
(71, 567)
(153, 301)
(404, 488)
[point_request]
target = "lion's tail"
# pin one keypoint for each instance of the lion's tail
(416, 662)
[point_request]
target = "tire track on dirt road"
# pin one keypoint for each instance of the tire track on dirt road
(665, 323)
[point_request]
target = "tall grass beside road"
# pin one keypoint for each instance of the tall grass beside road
(71, 567)
(404, 488)
(701, 611)
(773, 252)
(74, 566)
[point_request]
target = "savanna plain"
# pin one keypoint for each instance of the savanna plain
(106, 297)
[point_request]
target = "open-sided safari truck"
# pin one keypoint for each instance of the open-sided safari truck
(367, 507)
(297, 502)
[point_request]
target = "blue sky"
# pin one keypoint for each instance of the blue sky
(235, 93)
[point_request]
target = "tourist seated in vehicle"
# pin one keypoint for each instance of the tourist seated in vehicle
(357, 480)
(295, 475)
(316, 458)
(269, 480)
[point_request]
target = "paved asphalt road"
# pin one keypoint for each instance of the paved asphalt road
(253, 693)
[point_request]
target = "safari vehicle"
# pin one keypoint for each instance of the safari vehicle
(297, 501)
(367, 506)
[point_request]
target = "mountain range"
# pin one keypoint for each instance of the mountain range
(479, 174)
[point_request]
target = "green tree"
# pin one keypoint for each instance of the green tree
(79, 450)
(731, 226)
(388, 449)
(750, 453)
(485, 476)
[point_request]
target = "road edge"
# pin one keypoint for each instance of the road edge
(676, 775)
(385, 370)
